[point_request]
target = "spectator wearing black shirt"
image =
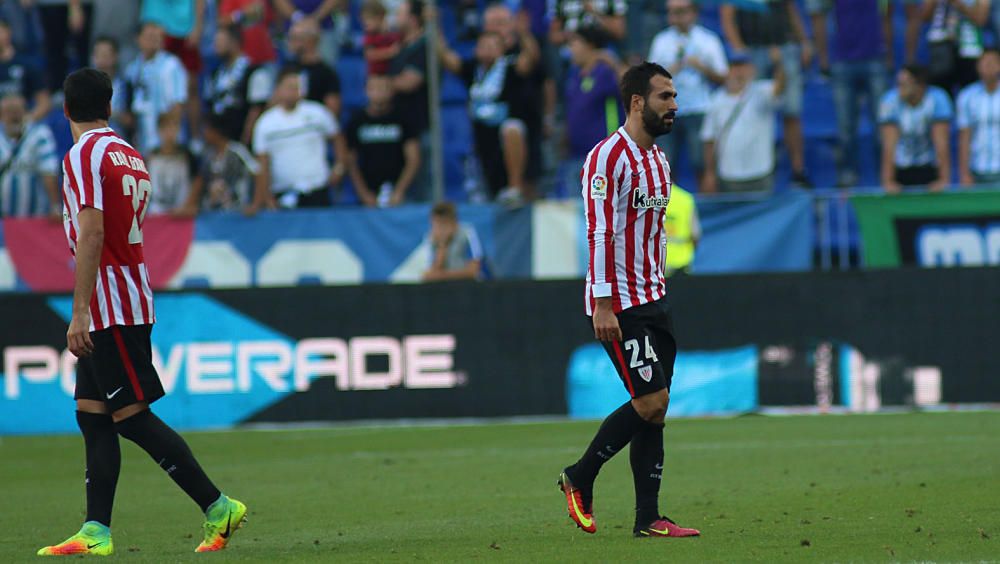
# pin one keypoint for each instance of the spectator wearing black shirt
(19, 76)
(606, 16)
(384, 148)
(530, 88)
(238, 90)
(409, 68)
(320, 83)
(497, 112)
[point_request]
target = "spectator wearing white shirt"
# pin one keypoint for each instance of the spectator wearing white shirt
(157, 85)
(979, 124)
(739, 129)
(695, 57)
(291, 141)
(28, 163)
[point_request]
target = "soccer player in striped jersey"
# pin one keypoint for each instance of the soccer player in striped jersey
(626, 187)
(105, 193)
(28, 163)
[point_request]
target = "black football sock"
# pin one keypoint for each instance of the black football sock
(170, 451)
(104, 461)
(646, 456)
(615, 432)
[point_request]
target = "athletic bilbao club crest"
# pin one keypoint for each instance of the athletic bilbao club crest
(646, 372)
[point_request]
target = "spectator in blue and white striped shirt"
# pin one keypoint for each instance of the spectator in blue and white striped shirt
(979, 124)
(914, 121)
(158, 85)
(28, 163)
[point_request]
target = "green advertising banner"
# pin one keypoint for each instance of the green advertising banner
(960, 228)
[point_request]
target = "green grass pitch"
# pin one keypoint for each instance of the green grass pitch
(907, 487)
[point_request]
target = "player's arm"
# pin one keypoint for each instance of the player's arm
(942, 150)
(89, 245)
(600, 189)
(890, 138)
(411, 166)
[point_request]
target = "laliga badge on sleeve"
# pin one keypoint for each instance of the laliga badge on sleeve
(599, 187)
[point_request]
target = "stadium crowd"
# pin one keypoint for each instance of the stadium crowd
(238, 104)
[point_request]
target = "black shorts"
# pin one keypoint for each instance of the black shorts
(645, 356)
(120, 370)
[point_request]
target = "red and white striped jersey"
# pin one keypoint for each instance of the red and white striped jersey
(103, 172)
(625, 191)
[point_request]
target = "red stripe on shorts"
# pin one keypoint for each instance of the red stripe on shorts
(621, 362)
(129, 369)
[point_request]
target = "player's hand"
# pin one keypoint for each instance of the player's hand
(78, 336)
(892, 187)
(937, 186)
(965, 179)
(606, 326)
(56, 215)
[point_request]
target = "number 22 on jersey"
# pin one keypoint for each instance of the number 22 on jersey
(139, 192)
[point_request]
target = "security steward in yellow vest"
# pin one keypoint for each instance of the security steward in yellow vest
(683, 231)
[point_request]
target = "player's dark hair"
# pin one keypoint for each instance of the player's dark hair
(233, 32)
(918, 72)
(988, 50)
(107, 39)
(287, 71)
(87, 94)
(636, 81)
(444, 210)
(217, 122)
(3, 23)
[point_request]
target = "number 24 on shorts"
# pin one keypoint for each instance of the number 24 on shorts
(632, 346)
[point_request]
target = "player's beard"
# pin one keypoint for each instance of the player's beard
(656, 124)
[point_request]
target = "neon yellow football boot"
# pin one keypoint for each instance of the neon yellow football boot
(93, 538)
(223, 518)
